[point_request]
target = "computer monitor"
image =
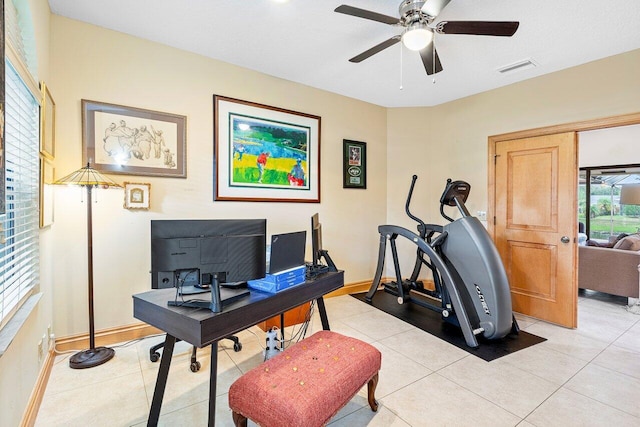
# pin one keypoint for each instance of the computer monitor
(287, 251)
(316, 238)
(187, 253)
(316, 246)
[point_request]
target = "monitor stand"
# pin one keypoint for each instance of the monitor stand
(227, 296)
(193, 290)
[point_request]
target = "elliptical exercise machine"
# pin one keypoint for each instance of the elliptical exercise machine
(471, 285)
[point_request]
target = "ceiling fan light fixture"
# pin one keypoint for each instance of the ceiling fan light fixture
(417, 36)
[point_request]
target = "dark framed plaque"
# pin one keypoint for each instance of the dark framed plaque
(354, 164)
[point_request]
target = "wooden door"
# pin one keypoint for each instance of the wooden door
(536, 224)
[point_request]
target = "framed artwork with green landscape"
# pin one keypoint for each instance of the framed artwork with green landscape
(264, 153)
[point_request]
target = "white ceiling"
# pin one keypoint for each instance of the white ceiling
(305, 41)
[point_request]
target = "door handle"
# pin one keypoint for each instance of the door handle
(565, 239)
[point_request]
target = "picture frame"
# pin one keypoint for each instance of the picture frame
(47, 178)
(137, 195)
(354, 164)
(47, 123)
(264, 153)
(131, 141)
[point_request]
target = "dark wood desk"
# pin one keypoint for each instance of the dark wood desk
(201, 327)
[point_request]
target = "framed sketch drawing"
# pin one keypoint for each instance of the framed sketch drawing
(137, 196)
(354, 164)
(47, 123)
(47, 178)
(265, 153)
(133, 141)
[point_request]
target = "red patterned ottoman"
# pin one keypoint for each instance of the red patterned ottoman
(307, 384)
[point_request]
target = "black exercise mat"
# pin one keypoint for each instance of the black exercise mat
(431, 322)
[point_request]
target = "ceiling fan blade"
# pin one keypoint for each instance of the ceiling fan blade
(434, 7)
(480, 28)
(427, 54)
(377, 48)
(367, 14)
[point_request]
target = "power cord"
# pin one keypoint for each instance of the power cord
(180, 282)
(120, 345)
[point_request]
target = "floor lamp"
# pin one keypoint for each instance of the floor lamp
(630, 195)
(89, 178)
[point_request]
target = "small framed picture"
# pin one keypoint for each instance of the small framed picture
(354, 164)
(136, 195)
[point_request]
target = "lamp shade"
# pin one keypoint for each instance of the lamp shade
(87, 177)
(630, 194)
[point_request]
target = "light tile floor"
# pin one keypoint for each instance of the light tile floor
(589, 376)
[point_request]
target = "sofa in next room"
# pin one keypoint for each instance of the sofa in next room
(614, 270)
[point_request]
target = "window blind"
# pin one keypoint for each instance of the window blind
(19, 238)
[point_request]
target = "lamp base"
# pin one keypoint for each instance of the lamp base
(91, 357)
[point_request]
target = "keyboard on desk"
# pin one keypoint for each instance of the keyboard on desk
(234, 285)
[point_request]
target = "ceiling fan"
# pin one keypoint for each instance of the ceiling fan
(417, 18)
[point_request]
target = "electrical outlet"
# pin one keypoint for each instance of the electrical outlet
(482, 215)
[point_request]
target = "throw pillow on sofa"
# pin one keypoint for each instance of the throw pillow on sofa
(610, 244)
(629, 243)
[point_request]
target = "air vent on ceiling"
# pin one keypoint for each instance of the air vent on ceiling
(518, 66)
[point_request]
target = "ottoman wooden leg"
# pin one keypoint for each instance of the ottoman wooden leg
(239, 420)
(371, 388)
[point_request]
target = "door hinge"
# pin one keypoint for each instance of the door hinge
(494, 220)
(495, 158)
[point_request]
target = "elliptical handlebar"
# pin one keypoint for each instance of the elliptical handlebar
(444, 215)
(425, 230)
(406, 206)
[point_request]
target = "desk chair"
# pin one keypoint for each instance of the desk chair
(154, 356)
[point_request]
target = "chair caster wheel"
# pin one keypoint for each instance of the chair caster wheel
(154, 356)
(237, 347)
(195, 366)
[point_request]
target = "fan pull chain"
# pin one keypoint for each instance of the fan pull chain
(401, 49)
(433, 46)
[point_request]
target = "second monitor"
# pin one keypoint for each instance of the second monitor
(287, 251)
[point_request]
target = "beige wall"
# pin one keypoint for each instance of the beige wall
(451, 140)
(93, 63)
